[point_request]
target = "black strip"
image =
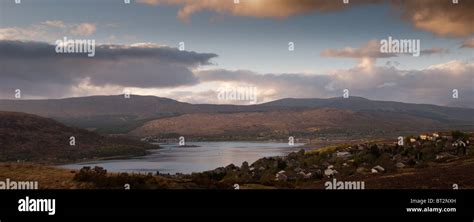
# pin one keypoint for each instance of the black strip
(236, 203)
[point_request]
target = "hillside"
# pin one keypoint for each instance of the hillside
(138, 106)
(112, 114)
(115, 114)
(463, 103)
(31, 138)
(449, 115)
(285, 123)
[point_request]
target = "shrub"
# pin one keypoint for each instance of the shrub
(99, 177)
(459, 135)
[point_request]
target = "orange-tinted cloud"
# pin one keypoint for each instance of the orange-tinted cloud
(369, 52)
(255, 8)
(468, 43)
(366, 54)
(50, 30)
(370, 49)
(440, 17)
(84, 29)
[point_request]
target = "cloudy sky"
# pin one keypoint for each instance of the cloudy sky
(336, 47)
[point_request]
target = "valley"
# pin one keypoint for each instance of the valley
(344, 138)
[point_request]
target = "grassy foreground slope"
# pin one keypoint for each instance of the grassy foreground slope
(49, 177)
(438, 176)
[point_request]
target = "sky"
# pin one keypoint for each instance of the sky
(227, 45)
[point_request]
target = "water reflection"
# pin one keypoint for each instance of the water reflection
(207, 156)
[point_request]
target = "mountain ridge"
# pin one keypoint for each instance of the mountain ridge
(116, 114)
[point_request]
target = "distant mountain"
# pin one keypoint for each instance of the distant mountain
(116, 114)
(462, 103)
(113, 114)
(29, 137)
(139, 106)
(447, 115)
(281, 124)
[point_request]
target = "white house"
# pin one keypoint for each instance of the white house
(377, 169)
(343, 154)
(459, 143)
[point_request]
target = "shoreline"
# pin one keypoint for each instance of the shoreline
(286, 152)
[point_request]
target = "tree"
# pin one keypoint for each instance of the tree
(458, 135)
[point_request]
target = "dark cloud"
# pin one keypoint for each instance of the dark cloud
(36, 67)
(25, 49)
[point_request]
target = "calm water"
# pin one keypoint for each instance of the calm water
(208, 156)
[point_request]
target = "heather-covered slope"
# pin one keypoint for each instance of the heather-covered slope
(27, 137)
